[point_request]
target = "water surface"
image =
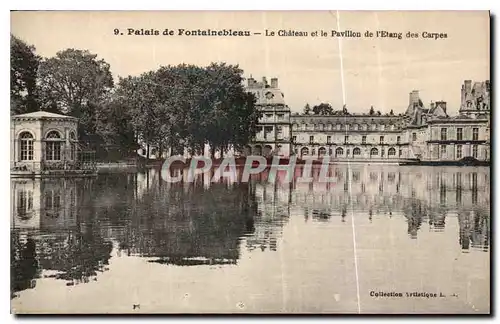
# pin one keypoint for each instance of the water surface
(132, 243)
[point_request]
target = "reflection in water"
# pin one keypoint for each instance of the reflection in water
(68, 229)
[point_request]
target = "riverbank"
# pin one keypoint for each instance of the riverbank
(141, 163)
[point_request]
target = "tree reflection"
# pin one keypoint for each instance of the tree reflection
(77, 257)
(24, 268)
(186, 224)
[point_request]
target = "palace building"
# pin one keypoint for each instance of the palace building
(273, 132)
(421, 133)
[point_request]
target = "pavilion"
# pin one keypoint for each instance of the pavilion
(44, 143)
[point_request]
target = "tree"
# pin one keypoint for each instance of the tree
(307, 109)
(115, 127)
(187, 106)
(23, 75)
(372, 111)
(391, 113)
(138, 96)
(323, 109)
(232, 107)
(77, 83)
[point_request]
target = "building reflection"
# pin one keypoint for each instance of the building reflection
(68, 229)
(424, 196)
(52, 233)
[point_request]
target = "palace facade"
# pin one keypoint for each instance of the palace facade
(426, 134)
(273, 133)
(422, 133)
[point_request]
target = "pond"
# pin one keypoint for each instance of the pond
(380, 239)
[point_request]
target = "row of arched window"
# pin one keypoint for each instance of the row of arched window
(339, 151)
(53, 145)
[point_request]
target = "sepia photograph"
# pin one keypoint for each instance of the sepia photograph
(250, 162)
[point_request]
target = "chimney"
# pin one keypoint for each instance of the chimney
(414, 98)
(468, 85)
(251, 82)
(432, 105)
(274, 82)
(442, 104)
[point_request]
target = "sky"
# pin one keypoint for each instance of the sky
(360, 72)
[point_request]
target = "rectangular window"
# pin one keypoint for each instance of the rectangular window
(24, 202)
(294, 139)
(443, 151)
(381, 139)
(363, 139)
(311, 139)
(280, 116)
(267, 132)
(459, 134)
(26, 150)
(279, 132)
(443, 134)
(398, 139)
(346, 139)
(474, 151)
(53, 151)
(475, 134)
(400, 152)
(328, 139)
(459, 151)
(414, 136)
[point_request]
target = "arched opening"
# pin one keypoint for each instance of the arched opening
(257, 150)
(391, 152)
(339, 151)
(322, 151)
(373, 152)
(268, 149)
(53, 144)
(304, 151)
(356, 151)
(26, 146)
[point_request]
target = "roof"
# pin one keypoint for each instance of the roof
(268, 96)
(42, 114)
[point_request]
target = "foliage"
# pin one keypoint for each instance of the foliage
(23, 75)
(307, 109)
(76, 83)
(372, 111)
(323, 109)
(190, 106)
(172, 107)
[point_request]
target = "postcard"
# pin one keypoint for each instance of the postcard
(250, 162)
